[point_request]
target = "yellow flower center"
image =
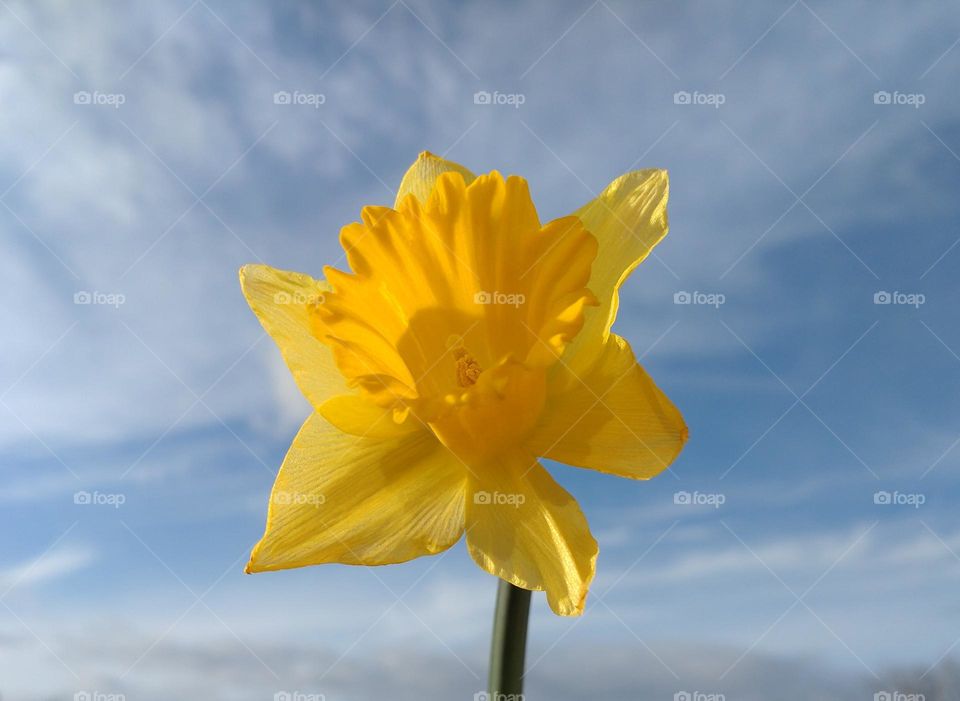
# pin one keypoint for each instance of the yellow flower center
(471, 269)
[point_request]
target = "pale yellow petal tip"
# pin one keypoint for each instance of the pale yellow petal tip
(684, 437)
(566, 607)
(563, 606)
(256, 564)
(649, 173)
(249, 271)
(646, 179)
(245, 274)
(420, 177)
(251, 567)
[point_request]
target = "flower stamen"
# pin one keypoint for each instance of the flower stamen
(468, 369)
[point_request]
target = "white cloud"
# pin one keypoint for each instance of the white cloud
(99, 199)
(199, 98)
(49, 566)
(223, 668)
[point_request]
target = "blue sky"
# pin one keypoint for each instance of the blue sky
(796, 201)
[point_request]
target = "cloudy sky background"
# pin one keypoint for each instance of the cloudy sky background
(798, 199)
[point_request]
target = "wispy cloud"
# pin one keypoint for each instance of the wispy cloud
(57, 564)
(783, 199)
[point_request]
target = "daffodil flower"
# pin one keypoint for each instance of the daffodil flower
(465, 341)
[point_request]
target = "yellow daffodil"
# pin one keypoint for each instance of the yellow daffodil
(466, 340)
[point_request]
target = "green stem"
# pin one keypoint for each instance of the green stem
(509, 644)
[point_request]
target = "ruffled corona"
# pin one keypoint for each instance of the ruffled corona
(455, 310)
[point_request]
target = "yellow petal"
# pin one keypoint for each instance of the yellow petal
(285, 303)
(613, 419)
(628, 219)
(360, 501)
(357, 415)
(422, 175)
(525, 528)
